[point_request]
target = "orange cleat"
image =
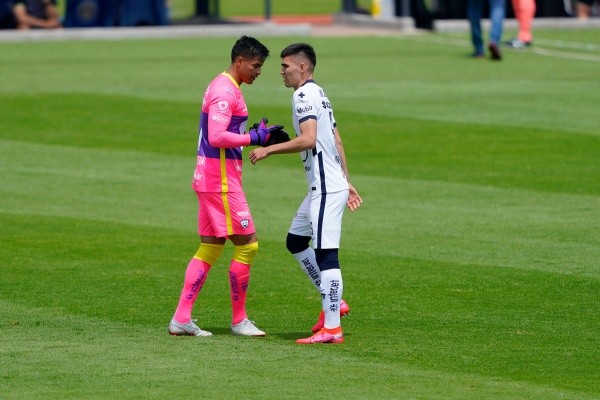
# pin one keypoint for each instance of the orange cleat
(324, 336)
(344, 310)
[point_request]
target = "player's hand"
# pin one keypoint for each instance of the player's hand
(354, 199)
(260, 153)
(259, 135)
(278, 135)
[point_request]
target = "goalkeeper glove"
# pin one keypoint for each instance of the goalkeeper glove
(259, 134)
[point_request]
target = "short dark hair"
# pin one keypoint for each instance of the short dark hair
(248, 47)
(301, 48)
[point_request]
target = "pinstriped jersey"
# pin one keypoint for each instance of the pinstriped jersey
(322, 164)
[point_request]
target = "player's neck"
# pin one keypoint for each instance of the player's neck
(303, 81)
(231, 72)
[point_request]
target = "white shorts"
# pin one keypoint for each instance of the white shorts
(320, 217)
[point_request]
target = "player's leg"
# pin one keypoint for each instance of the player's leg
(297, 243)
(299, 247)
(196, 273)
(244, 237)
(326, 216)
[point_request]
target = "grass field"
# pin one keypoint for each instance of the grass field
(471, 269)
(229, 8)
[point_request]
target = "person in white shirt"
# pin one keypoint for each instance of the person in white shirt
(319, 217)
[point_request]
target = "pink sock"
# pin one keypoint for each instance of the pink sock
(239, 276)
(195, 275)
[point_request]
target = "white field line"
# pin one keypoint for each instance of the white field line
(569, 55)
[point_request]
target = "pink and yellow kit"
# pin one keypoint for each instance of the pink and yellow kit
(223, 209)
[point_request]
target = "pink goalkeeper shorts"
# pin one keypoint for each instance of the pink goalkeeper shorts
(224, 214)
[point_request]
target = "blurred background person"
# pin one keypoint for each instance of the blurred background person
(524, 13)
(474, 14)
(584, 9)
(27, 14)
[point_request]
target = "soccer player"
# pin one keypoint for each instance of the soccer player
(223, 210)
(319, 217)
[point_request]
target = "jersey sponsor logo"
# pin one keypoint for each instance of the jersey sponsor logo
(326, 105)
(223, 105)
(305, 109)
(219, 118)
(243, 213)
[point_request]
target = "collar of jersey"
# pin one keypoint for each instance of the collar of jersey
(231, 79)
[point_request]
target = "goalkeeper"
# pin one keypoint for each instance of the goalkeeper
(223, 211)
(319, 218)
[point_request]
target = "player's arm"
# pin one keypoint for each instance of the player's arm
(354, 199)
(307, 140)
(219, 117)
(223, 139)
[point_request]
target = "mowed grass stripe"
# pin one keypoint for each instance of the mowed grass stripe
(431, 315)
(82, 357)
(502, 156)
(428, 220)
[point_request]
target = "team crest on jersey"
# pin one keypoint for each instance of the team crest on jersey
(244, 223)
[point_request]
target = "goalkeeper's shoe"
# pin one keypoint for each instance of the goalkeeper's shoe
(246, 328)
(189, 329)
(324, 336)
(344, 310)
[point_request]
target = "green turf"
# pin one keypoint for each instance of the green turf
(471, 269)
(231, 8)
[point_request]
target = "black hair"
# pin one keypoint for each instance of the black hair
(301, 48)
(248, 47)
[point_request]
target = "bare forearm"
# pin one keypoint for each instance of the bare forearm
(296, 145)
(340, 148)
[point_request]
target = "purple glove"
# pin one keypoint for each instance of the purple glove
(259, 135)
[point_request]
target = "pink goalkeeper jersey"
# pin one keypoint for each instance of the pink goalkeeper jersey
(223, 110)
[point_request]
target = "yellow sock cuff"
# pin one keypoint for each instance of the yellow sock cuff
(244, 254)
(209, 253)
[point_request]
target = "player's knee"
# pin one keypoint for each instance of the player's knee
(245, 253)
(209, 253)
(296, 243)
(327, 259)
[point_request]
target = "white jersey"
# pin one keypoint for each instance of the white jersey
(322, 164)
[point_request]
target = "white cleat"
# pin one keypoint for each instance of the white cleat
(189, 329)
(246, 328)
